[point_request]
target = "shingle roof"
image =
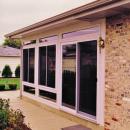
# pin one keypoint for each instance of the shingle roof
(9, 51)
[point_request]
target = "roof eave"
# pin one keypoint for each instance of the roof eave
(91, 7)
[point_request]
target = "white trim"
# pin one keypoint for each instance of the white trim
(48, 89)
(36, 70)
(29, 46)
(99, 106)
(87, 37)
(101, 91)
(21, 72)
(46, 44)
(59, 72)
(39, 99)
(28, 84)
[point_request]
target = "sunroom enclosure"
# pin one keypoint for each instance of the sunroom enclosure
(66, 71)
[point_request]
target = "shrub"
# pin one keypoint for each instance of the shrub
(2, 87)
(17, 71)
(11, 119)
(12, 86)
(7, 71)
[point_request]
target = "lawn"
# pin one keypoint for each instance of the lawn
(7, 81)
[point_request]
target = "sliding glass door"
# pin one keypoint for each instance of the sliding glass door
(69, 75)
(87, 66)
(79, 77)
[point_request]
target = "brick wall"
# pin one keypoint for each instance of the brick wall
(117, 84)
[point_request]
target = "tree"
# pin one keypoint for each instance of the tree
(15, 43)
(17, 71)
(6, 71)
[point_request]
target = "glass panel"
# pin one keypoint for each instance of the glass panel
(25, 64)
(42, 65)
(47, 95)
(88, 77)
(80, 32)
(51, 57)
(31, 65)
(49, 39)
(68, 75)
(29, 89)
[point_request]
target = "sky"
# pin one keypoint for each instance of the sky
(16, 14)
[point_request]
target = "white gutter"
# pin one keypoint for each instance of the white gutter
(77, 13)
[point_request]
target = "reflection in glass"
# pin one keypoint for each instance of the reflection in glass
(51, 56)
(68, 75)
(88, 77)
(47, 95)
(42, 65)
(80, 32)
(29, 89)
(25, 64)
(47, 59)
(31, 65)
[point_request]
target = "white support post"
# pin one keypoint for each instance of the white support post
(101, 89)
(36, 70)
(58, 71)
(21, 72)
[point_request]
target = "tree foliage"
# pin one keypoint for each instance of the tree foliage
(17, 71)
(15, 43)
(6, 71)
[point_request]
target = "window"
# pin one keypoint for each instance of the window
(25, 64)
(28, 65)
(47, 59)
(49, 39)
(28, 89)
(80, 32)
(42, 65)
(47, 95)
(30, 42)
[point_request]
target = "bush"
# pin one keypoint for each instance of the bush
(17, 71)
(2, 87)
(11, 119)
(12, 86)
(7, 72)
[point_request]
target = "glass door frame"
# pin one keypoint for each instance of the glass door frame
(76, 110)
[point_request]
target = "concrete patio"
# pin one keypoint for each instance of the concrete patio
(36, 117)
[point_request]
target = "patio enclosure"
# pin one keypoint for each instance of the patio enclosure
(65, 74)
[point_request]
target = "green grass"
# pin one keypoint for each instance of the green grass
(7, 81)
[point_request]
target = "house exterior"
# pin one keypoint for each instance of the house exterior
(9, 56)
(78, 63)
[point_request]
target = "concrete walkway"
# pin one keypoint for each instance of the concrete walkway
(36, 117)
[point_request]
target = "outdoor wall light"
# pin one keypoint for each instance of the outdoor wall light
(101, 43)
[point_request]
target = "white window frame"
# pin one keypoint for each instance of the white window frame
(25, 82)
(43, 87)
(100, 110)
(75, 40)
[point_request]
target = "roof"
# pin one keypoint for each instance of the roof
(6, 51)
(94, 10)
